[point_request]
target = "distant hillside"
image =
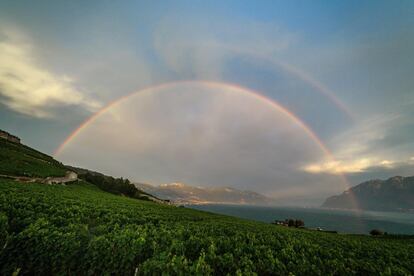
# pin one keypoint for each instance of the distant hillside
(393, 194)
(118, 186)
(186, 194)
(20, 160)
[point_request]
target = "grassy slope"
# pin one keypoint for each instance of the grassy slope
(80, 229)
(20, 160)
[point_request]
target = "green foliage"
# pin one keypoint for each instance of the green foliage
(295, 223)
(20, 160)
(4, 227)
(118, 186)
(79, 229)
(376, 232)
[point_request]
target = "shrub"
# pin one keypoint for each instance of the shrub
(376, 232)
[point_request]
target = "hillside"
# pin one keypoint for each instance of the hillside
(24, 162)
(79, 229)
(186, 194)
(393, 194)
(118, 186)
(20, 160)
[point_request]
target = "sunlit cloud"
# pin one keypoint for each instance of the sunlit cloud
(29, 88)
(387, 163)
(339, 167)
(356, 166)
(379, 143)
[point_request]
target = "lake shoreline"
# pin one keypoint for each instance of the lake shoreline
(343, 221)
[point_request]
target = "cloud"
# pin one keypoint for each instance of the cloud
(380, 143)
(339, 167)
(201, 49)
(27, 87)
(347, 167)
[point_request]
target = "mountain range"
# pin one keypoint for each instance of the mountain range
(393, 194)
(180, 193)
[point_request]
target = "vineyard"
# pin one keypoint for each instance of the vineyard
(81, 230)
(21, 160)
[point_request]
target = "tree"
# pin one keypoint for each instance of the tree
(299, 223)
(376, 232)
(294, 223)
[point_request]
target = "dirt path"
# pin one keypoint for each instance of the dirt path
(69, 177)
(21, 178)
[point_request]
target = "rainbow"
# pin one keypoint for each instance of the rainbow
(320, 87)
(299, 74)
(213, 85)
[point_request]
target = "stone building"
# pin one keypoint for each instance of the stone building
(9, 137)
(69, 177)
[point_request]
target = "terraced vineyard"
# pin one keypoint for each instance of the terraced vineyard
(79, 229)
(20, 160)
(94, 229)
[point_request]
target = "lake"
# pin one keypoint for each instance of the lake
(344, 221)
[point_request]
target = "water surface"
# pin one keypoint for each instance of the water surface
(345, 221)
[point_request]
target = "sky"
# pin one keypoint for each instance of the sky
(297, 100)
